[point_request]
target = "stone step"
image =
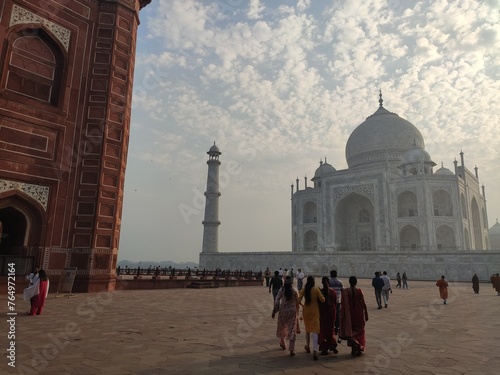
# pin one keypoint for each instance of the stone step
(202, 284)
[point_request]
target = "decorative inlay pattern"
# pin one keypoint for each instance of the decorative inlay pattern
(445, 188)
(21, 15)
(37, 192)
(399, 190)
(365, 190)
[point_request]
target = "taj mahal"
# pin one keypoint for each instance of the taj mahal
(391, 209)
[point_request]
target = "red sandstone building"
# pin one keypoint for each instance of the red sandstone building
(65, 100)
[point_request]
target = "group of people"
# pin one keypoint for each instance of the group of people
(382, 286)
(326, 312)
(403, 278)
(37, 290)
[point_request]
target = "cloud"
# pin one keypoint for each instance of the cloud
(279, 86)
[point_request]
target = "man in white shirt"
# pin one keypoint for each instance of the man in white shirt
(300, 278)
(386, 289)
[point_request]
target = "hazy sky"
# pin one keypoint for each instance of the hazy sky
(280, 87)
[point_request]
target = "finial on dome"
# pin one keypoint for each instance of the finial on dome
(321, 162)
(442, 165)
(380, 101)
(325, 160)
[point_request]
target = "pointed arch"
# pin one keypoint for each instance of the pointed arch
(445, 238)
(441, 201)
(409, 238)
(354, 223)
(467, 239)
(23, 221)
(310, 214)
(34, 65)
(407, 204)
(476, 225)
(464, 206)
(310, 241)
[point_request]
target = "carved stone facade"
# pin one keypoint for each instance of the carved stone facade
(65, 102)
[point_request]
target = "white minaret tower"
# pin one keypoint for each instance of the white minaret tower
(211, 222)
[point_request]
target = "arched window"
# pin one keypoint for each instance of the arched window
(34, 66)
(310, 213)
(365, 242)
(407, 204)
(442, 203)
(364, 216)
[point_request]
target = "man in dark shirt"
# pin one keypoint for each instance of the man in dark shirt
(275, 284)
(378, 284)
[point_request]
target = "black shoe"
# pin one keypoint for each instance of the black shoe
(378, 308)
(386, 305)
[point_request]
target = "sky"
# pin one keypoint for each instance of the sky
(279, 86)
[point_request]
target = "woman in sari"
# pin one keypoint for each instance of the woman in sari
(353, 315)
(37, 293)
(287, 304)
(310, 313)
(327, 311)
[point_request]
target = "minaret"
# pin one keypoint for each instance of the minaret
(211, 222)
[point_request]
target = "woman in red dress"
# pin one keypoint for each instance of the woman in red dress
(40, 291)
(353, 315)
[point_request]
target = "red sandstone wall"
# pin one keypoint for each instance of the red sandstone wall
(76, 145)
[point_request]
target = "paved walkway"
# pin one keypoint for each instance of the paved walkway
(230, 331)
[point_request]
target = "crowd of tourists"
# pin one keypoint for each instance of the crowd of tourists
(331, 312)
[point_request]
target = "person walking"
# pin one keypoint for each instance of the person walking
(378, 284)
(310, 314)
(443, 288)
(37, 293)
(327, 314)
(300, 279)
(267, 275)
(475, 284)
(398, 279)
(287, 307)
(275, 284)
(405, 281)
(337, 285)
(386, 289)
(353, 316)
(495, 281)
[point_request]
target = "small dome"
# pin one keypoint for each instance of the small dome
(323, 170)
(495, 229)
(214, 148)
(444, 172)
(416, 155)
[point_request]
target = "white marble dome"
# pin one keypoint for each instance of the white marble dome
(324, 169)
(416, 155)
(444, 172)
(382, 135)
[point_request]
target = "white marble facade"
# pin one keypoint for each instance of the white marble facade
(389, 210)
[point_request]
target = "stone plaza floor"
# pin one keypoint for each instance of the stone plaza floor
(230, 331)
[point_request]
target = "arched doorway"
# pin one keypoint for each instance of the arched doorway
(354, 223)
(22, 223)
